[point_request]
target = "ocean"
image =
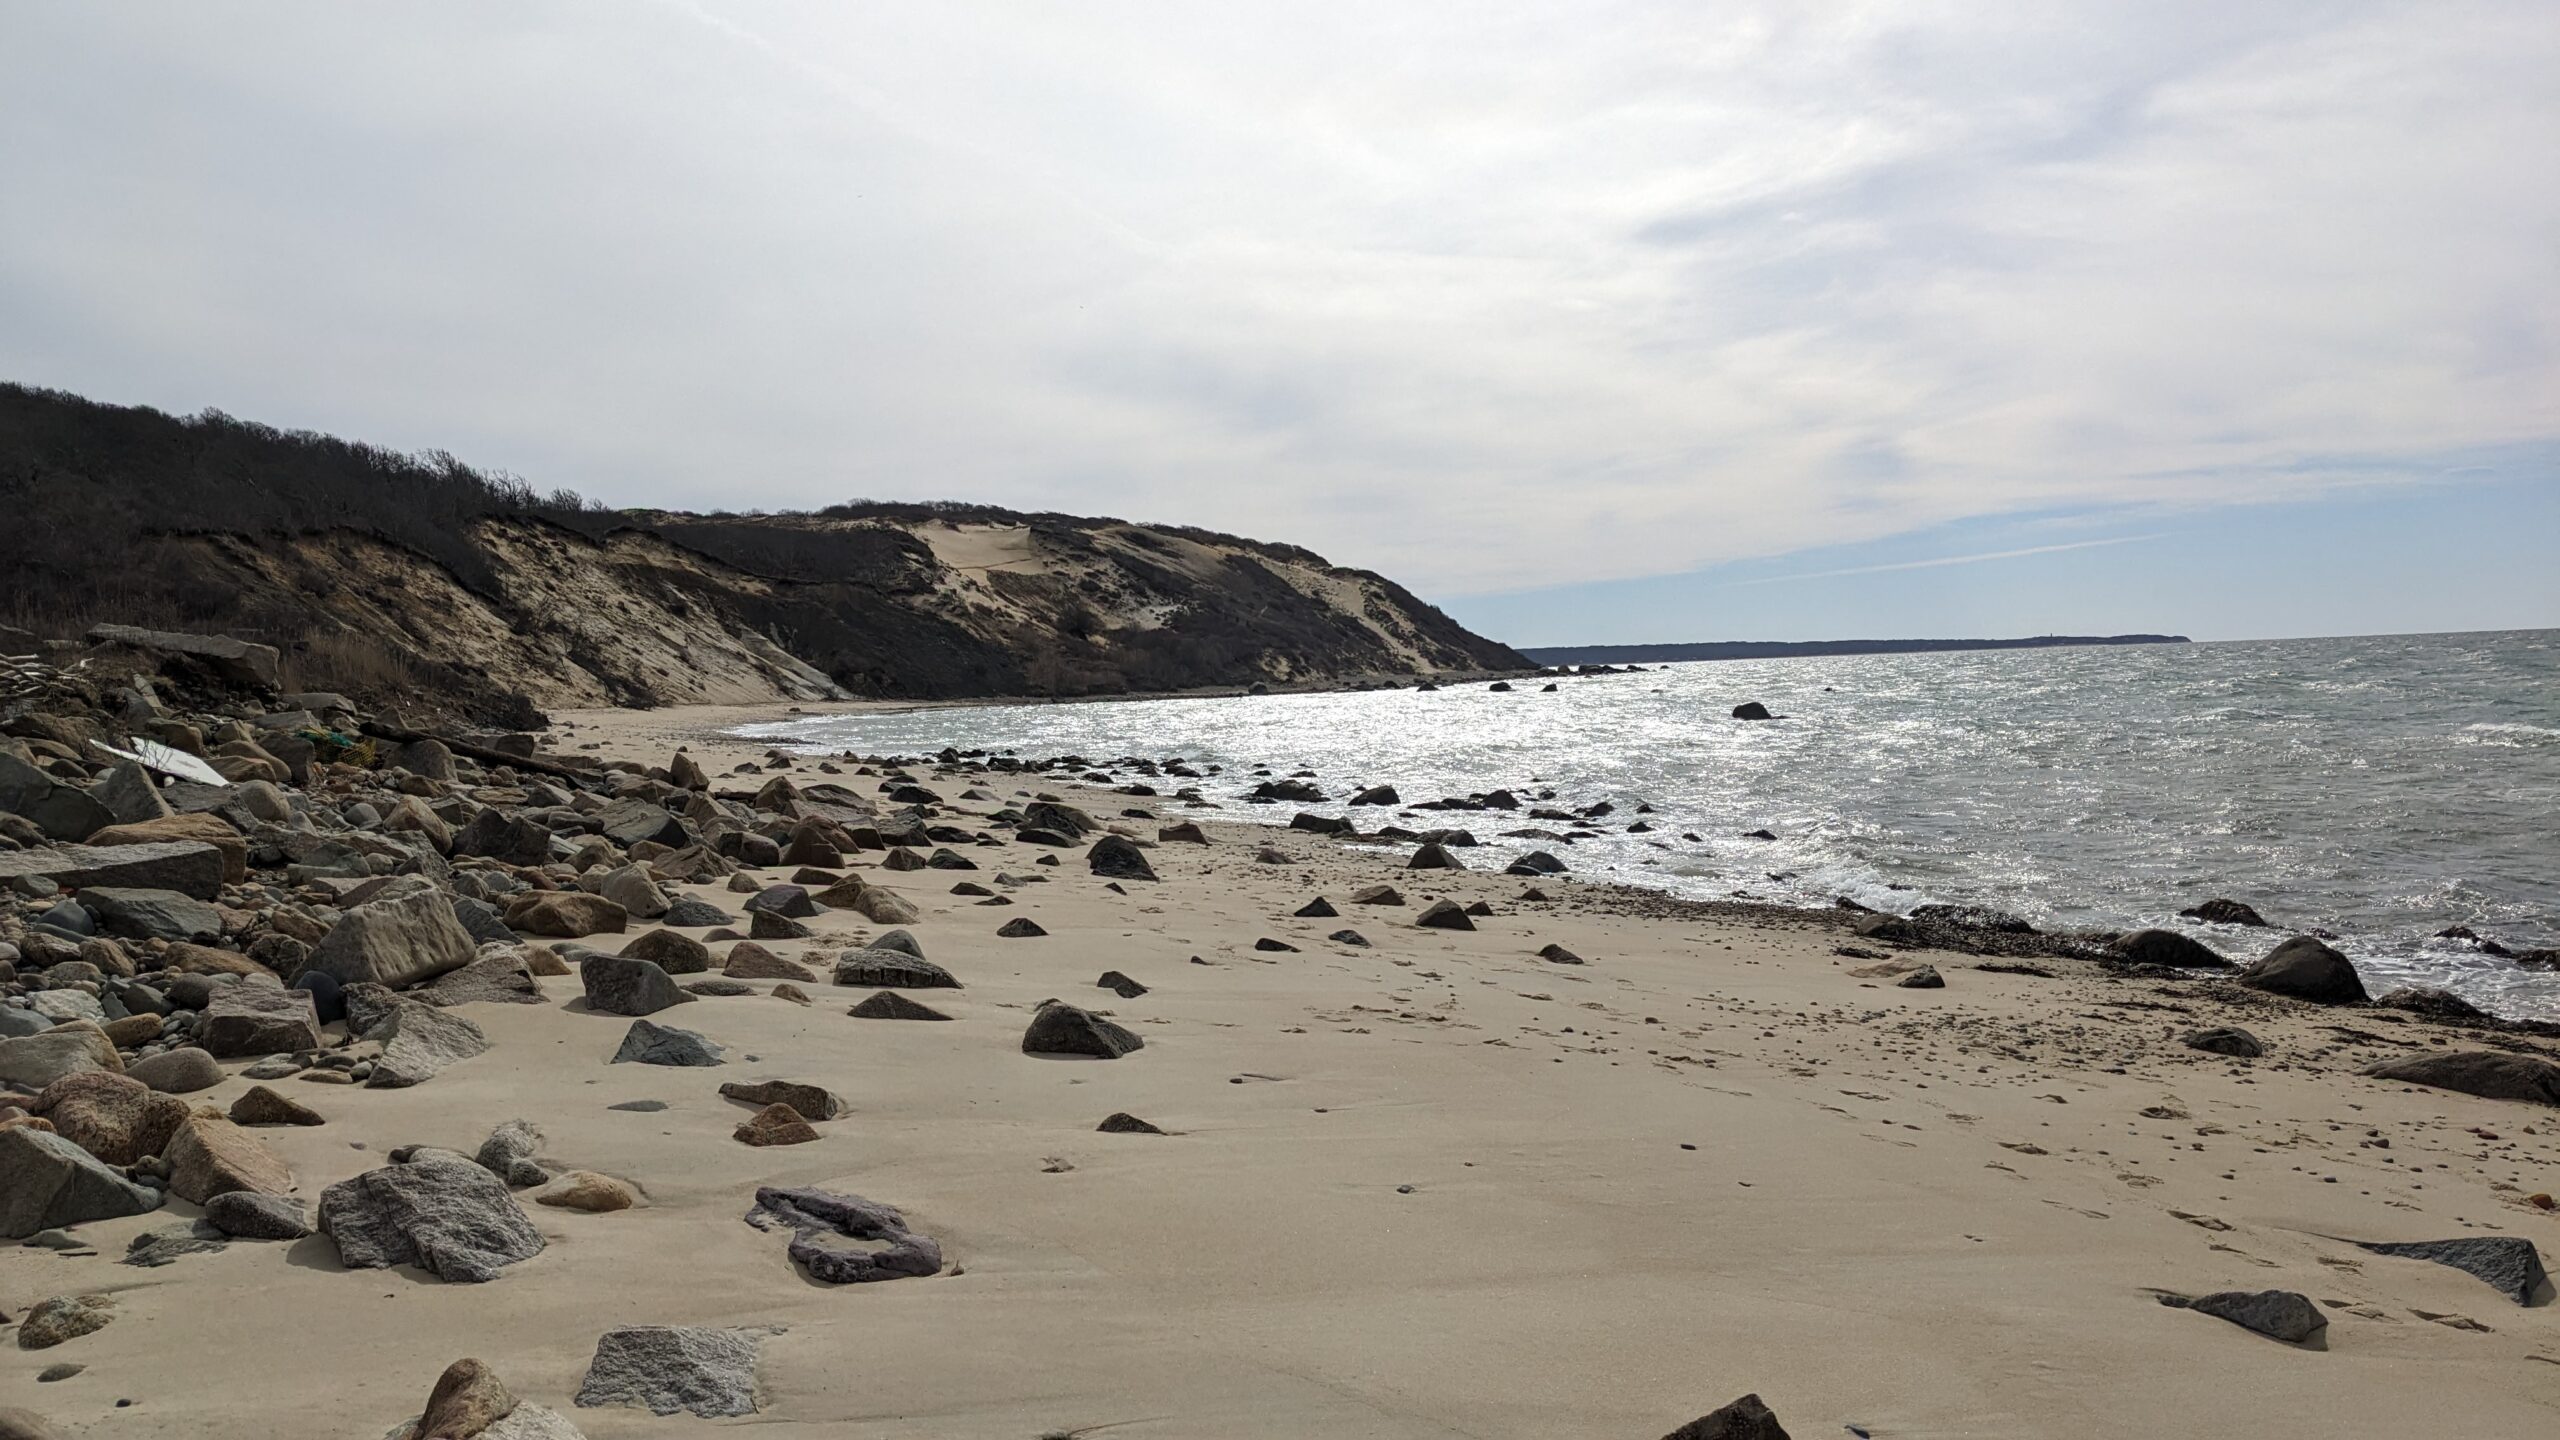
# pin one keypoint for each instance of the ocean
(2382, 788)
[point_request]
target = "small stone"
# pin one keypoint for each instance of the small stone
(1121, 1122)
(1924, 978)
(259, 1105)
(890, 1005)
(1063, 1029)
(1021, 927)
(2225, 1040)
(775, 1124)
(1120, 985)
(812, 1101)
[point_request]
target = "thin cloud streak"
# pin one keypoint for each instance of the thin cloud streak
(1950, 560)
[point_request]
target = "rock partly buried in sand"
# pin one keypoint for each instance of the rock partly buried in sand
(667, 1368)
(775, 1124)
(675, 954)
(1021, 927)
(2280, 1314)
(1117, 857)
(2307, 969)
(2167, 947)
(894, 969)
(1120, 985)
(21, 1424)
(64, 1317)
(649, 1043)
(2225, 1040)
(438, 1211)
(890, 1005)
(1283, 947)
(1536, 862)
(751, 961)
(248, 1215)
(1925, 977)
(466, 1401)
(508, 1154)
(2431, 1000)
(502, 975)
(1121, 1122)
(1377, 895)
(2224, 912)
(1317, 909)
(819, 1220)
(1434, 856)
(619, 985)
(1558, 955)
(695, 914)
(47, 1182)
(1744, 1419)
(2507, 1263)
(587, 1191)
(1349, 937)
(2490, 1074)
(1273, 855)
(1063, 1029)
(1444, 915)
(566, 914)
(259, 1105)
(1181, 832)
(812, 1101)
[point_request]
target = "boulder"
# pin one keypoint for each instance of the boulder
(695, 914)
(2280, 1314)
(114, 1117)
(189, 867)
(249, 1215)
(892, 969)
(1117, 857)
(620, 985)
(2307, 969)
(2225, 1040)
(1744, 1419)
(1062, 1029)
(32, 1062)
(589, 1192)
(646, 1043)
(500, 836)
(211, 1156)
(502, 975)
(890, 1005)
(59, 1318)
(775, 1125)
(630, 822)
(2166, 947)
(565, 914)
(751, 961)
(62, 812)
(667, 1368)
(811, 1101)
(405, 935)
(239, 662)
(508, 1154)
(1444, 915)
(202, 829)
(139, 914)
(2433, 1000)
(182, 1071)
(259, 1105)
(1377, 895)
(418, 1042)
(1752, 710)
(253, 1019)
(438, 1211)
(821, 1221)
(766, 925)
(47, 1182)
(676, 954)
(2490, 1074)
(1121, 1122)
(2508, 1264)
(2224, 912)
(631, 888)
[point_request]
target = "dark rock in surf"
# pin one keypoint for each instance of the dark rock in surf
(1752, 710)
(2224, 912)
(2307, 969)
(2167, 947)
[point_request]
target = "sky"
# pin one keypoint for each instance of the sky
(1593, 322)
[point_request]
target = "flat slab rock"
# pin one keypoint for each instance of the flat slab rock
(2279, 1314)
(2507, 1263)
(820, 1221)
(667, 1368)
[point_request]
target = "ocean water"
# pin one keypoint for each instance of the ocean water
(2382, 788)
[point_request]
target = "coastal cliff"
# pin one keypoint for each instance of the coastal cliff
(419, 579)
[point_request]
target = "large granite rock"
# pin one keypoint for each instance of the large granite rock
(667, 1368)
(258, 1019)
(114, 1117)
(401, 938)
(140, 914)
(502, 975)
(439, 1211)
(669, 951)
(47, 1182)
(187, 866)
(211, 1156)
(250, 1215)
(34, 1061)
(2307, 969)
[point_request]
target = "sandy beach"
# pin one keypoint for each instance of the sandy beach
(1431, 1186)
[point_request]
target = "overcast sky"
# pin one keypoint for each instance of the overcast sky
(1643, 308)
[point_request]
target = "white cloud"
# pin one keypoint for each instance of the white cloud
(1482, 296)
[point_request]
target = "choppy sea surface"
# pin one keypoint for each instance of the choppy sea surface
(2382, 788)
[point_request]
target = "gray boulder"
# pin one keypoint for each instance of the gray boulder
(508, 1154)
(2307, 969)
(47, 1182)
(258, 1019)
(891, 969)
(621, 985)
(2167, 947)
(649, 1043)
(2507, 1263)
(190, 867)
(676, 954)
(1747, 1418)
(405, 936)
(821, 1221)
(2225, 1040)
(138, 914)
(2280, 1314)
(182, 1071)
(418, 1042)
(628, 822)
(500, 976)
(62, 812)
(2490, 1074)
(248, 1215)
(129, 794)
(35, 1061)
(1063, 1029)
(438, 1211)
(667, 1368)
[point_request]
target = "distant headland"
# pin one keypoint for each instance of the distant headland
(1781, 649)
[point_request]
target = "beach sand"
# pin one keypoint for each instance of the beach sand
(1435, 1187)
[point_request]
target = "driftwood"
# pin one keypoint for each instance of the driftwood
(381, 730)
